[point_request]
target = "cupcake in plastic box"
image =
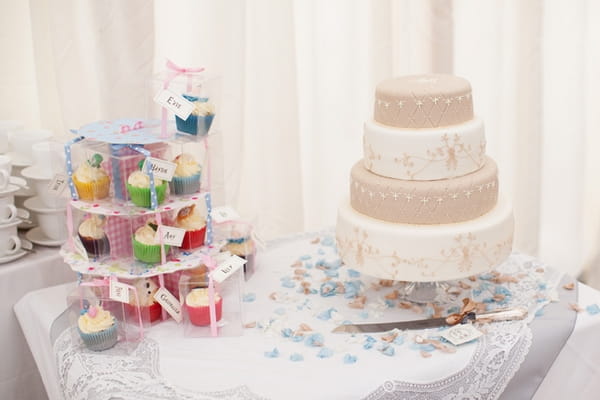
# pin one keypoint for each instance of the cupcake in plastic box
(146, 288)
(186, 179)
(138, 187)
(201, 118)
(90, 180)
(145, 247)
(97, 328)
(241, 244)
(93, 238)
(198, 309)
(191, 219)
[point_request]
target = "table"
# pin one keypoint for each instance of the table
(19, 377)
(199, 364)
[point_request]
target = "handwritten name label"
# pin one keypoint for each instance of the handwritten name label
(118, 291)
(175, 103)
(227, 268)
(461, 333)
(169, 303)
(224, 214)
(57, 184)
(170, 235)
(161, 169)
(79, 248)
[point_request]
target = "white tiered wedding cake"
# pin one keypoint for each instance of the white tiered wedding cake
(424, 202)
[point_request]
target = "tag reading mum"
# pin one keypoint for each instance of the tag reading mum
(169, 303)
(175, 103)
(224, 214)
(170, 235)
(227, 268)
(461, 333)
(118, 291)
(57, 184)
(161, 169)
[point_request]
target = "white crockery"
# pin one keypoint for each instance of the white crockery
(49, 156)
(23, 142)
(51, 220)
(39, 181)
(8, 210)
(7, 128)
(9, 240)
(5, 170)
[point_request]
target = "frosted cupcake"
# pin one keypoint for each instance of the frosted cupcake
(138, 186)
(146, 288)
(92, 235)
(194, 223)
(186, 179)
(201, 118)
(97, 328)
(90, 180)
(242, 246)
(197, 306)
(145, 247)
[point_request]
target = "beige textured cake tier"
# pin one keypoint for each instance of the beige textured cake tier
(424, 202)
(423, 101)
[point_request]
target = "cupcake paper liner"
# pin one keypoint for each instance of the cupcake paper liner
(95, 247)
(185, 184)
(91, 191)
(193, 239)
(99, 341)
(141, 196)
(200, 316)
(195, 125)
(148, 253)
(154, 312)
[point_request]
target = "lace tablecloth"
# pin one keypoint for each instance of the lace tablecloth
(298, 295)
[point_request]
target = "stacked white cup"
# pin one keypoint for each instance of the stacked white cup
(49, 208)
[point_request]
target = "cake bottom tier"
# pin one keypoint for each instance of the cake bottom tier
(424, 253)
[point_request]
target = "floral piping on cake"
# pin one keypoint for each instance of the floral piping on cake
(421, 101)
(466, 247)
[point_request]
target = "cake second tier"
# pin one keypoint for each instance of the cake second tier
(424, 202)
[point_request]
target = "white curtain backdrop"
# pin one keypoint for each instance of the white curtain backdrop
(298, 81)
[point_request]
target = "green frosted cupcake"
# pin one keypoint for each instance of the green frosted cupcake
(138, 187)
(97, 328)
(145, 248)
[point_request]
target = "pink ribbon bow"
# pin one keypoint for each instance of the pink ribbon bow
(134, 127)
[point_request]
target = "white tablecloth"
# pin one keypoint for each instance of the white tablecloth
(19, 377)
(180, 358)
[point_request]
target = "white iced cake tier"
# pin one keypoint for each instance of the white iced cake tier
(424, 202)
(424, 253)
(424, 154)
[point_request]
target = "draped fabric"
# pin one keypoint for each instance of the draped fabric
(297, 84)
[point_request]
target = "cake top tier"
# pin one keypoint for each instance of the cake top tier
(423, 101)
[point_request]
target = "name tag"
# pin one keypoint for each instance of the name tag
(118, 291)
(169, 303)
(461, 333)
(57, 184)
(224, 214)
(161, 169)
(175, 103)
(227, 268)
(170, 235)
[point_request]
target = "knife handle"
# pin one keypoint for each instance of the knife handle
(503, 314)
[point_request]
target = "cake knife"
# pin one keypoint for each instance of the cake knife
(503, 314)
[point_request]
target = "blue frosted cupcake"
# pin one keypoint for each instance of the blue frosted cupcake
(201, 118)
(97, 328)
(186, 179)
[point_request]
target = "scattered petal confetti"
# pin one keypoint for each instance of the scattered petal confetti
(304, 328)
(325, 352)
(250, 325)
(569, 286)
(593, 309)
(320, 252)
(369, 342)
(328, 289)
(286, 333)
(272, 354)
(296, 357)
(575, 307)
(315, 241)
(328, 241)
(387, 350)
(314, 340)
(326, 314)
(279, 311)
(352, 273)
(297, 338)
(249, 297)
(425, 354)
(349, 359)
(305, 257)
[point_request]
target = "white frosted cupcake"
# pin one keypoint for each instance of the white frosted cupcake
(186, 179)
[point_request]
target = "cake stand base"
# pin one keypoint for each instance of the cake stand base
(429, 292)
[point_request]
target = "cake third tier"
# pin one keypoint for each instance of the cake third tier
(424, 202)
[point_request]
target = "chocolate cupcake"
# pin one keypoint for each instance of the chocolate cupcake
(92, 235)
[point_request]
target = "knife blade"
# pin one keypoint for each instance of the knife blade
(503, 314)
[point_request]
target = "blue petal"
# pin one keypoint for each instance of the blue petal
(296, 357)
(325, 352)
(272, 354)
(249, 297)
(349, 359)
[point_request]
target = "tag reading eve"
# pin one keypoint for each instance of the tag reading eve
(161, 169)
(227, 268)
(57, 184)
(175, 103)
(169, 303)
(224, 214)
(461, 333)
(118, 291)
(170, 235)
